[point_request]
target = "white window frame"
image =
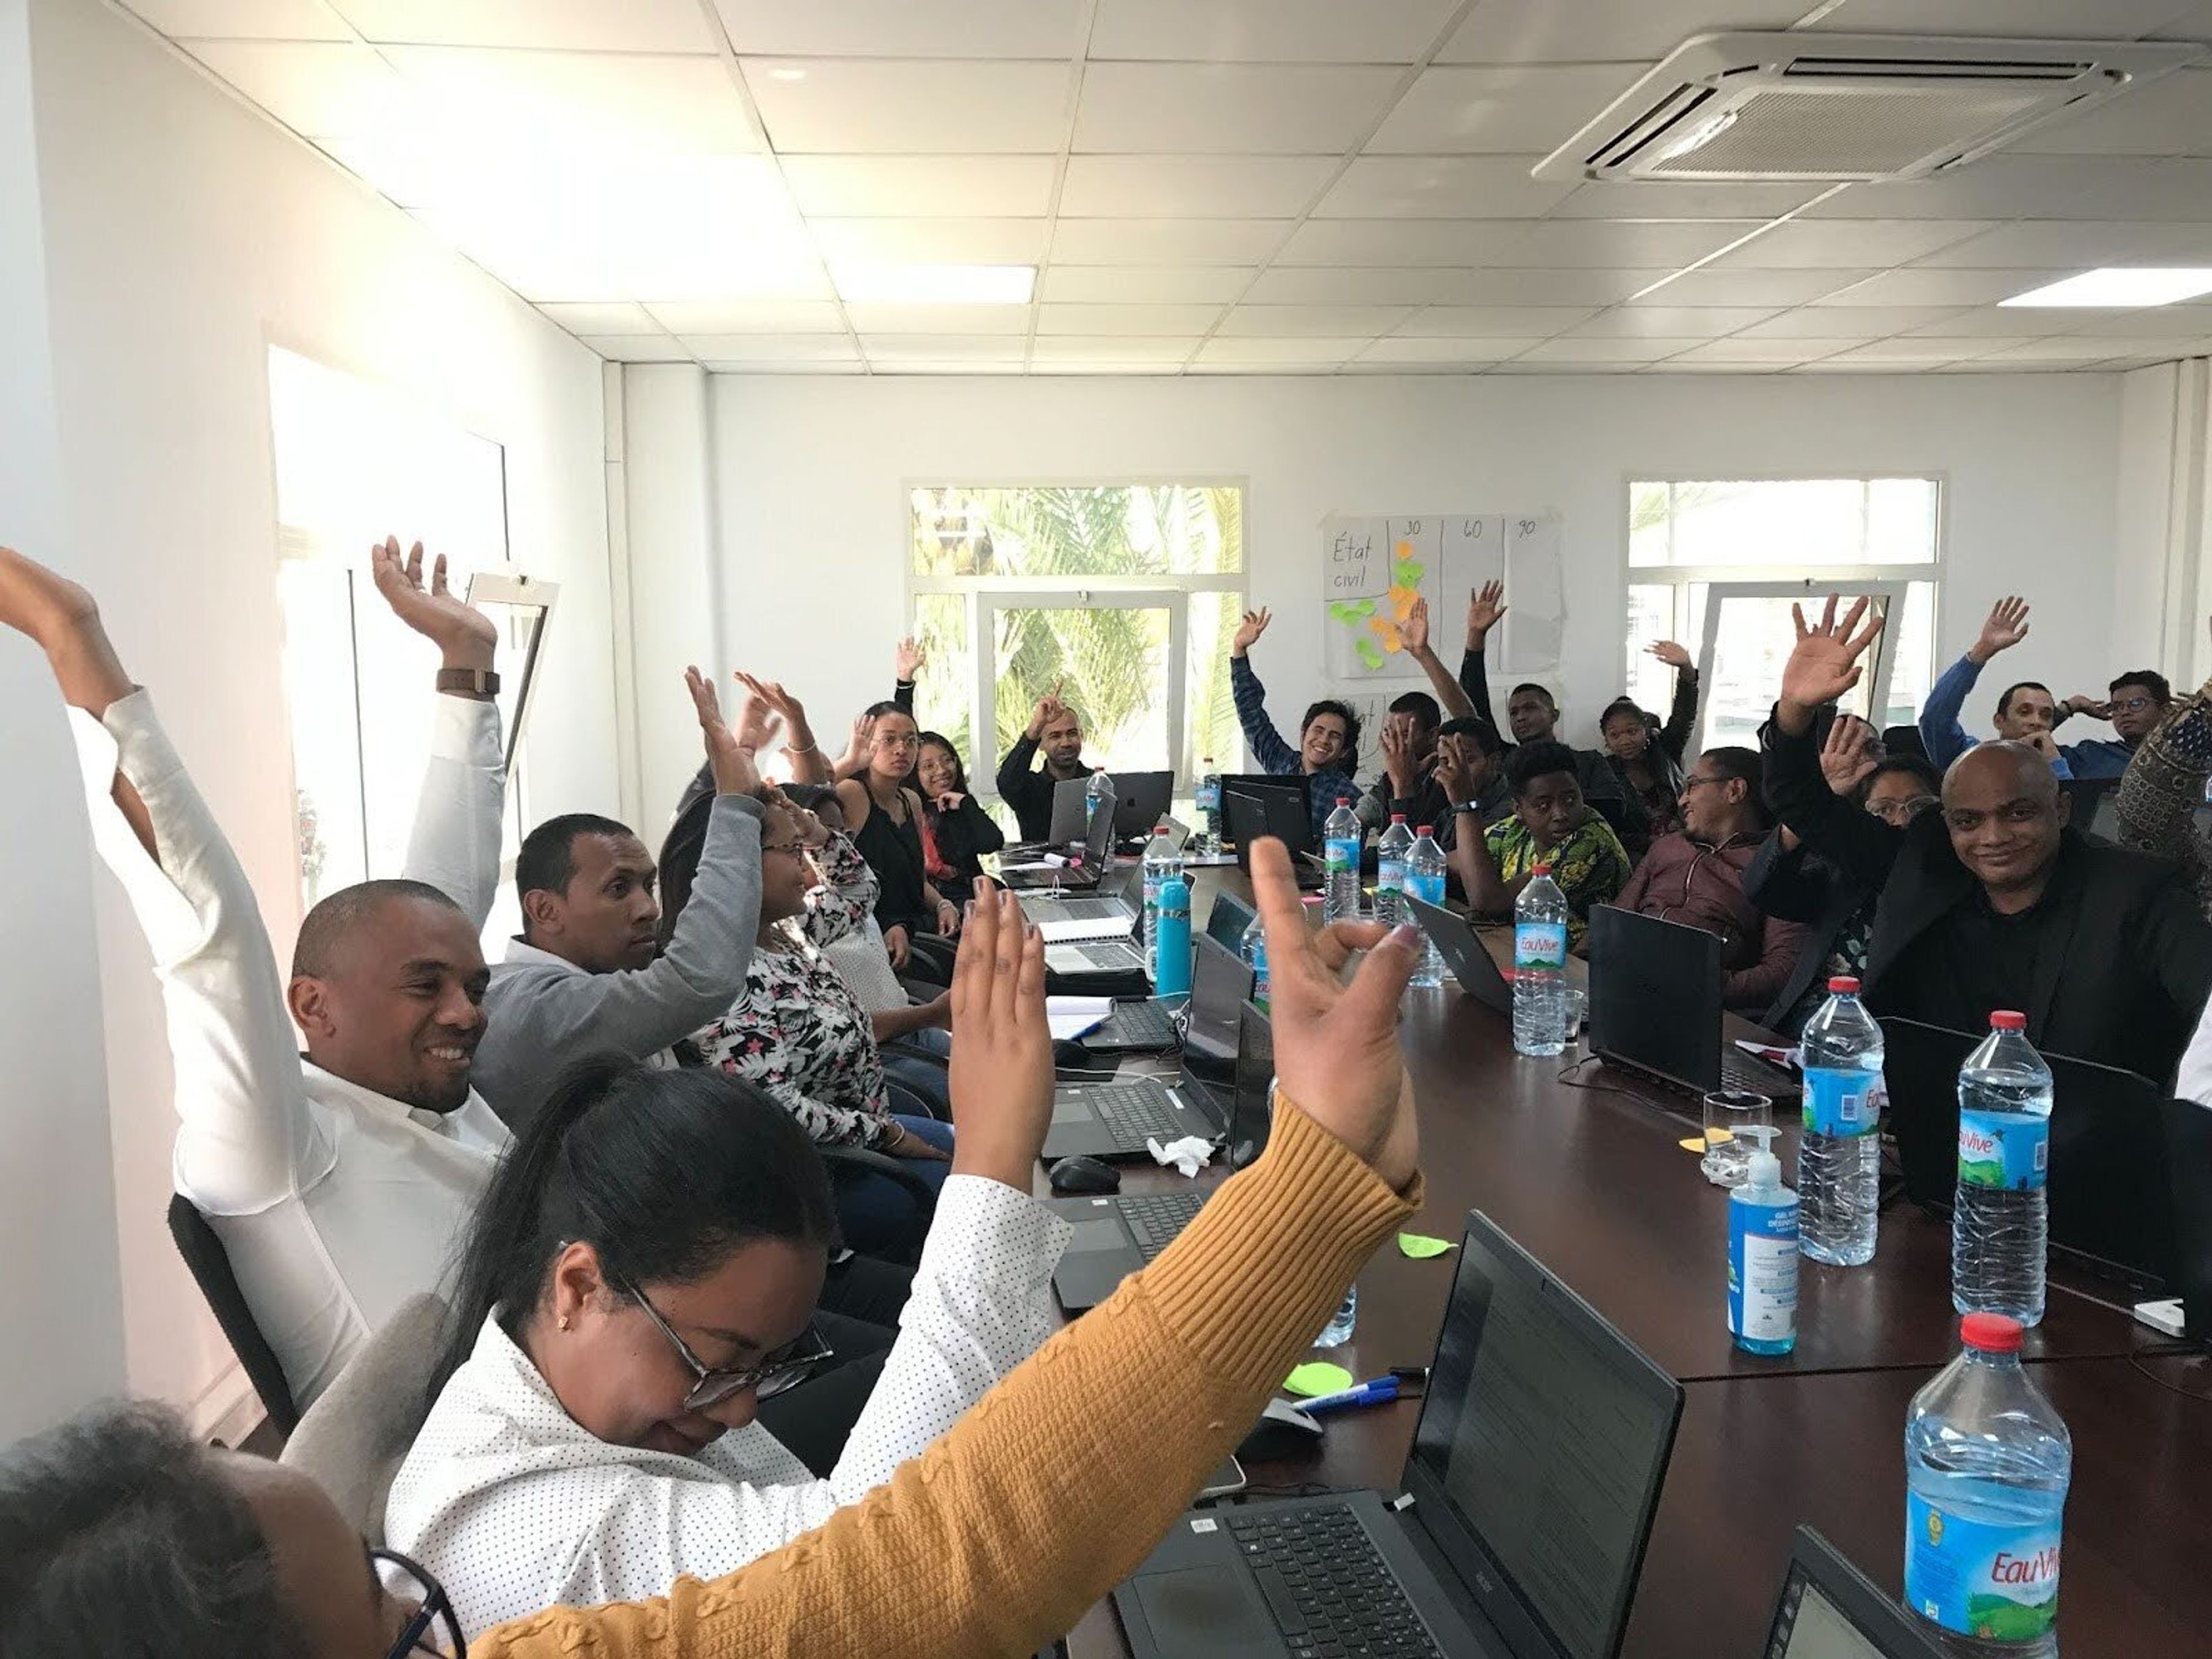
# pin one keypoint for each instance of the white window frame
(1876, 663)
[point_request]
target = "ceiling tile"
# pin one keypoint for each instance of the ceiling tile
(2037, 187)
(939, 320)
(1866, 242)
(1268, 31)
(1618, 242)
(2053, 245)
(1498, 111)
(1142, 285)
(1822, 322)
(716, 349)
(1924, 286)
(319, 89)
(853, 367)
(1775, 352)
(1606, 351)
(1398, 348)
(603, 102)
(1578, 31)
(747, 317)
(1397, 241)
(1165, 241)
(920, 186)
(555, 25)
(1985, 322)
(2178, 322)
(243, 20)
(1658, 322)
(1133, 320)
(2069, 351)
(1360, 285)
(942, 349)
(1682, 199)
(1714, 285)
(1192, 186)
(2172, 116)
(622, 318)
(1912, 351)
(1258, 109)
(410, 172)
(1440, 187)
(2027, 20)
(1325, 321)
(1156, 351)
(1497, 321)
(899, 28)
(638, 348)
(849, 105)
(1040, 365)
(1689, 363)
(947, 241)
(1309, 350)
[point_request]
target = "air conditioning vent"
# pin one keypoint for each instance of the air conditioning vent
(1821, 107)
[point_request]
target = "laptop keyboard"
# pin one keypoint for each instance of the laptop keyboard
(1135, 1114)
(1134, 1025)
(1157, 1217)
(1326, 1584)
(1114, 955)
(1744, 1073)
(1088, 909)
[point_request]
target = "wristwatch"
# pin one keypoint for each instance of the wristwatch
(1473, 806)
(482, 682)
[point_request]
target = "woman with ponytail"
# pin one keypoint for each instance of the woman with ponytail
(641, 1273)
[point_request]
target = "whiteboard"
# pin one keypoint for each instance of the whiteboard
(1374, 568)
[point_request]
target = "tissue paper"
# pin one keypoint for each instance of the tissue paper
(1190, 1154)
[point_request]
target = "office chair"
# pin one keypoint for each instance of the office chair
(846, 1163)
(1904, 740)
(356, 1436)
(210, 1264)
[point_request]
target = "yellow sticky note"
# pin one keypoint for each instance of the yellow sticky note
(1420, 1247)
(1694, 1144)
(1317, 1378)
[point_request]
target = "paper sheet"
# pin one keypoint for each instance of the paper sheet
(1069, 1017)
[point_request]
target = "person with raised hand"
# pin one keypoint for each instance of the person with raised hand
(1055, 731)
(644, 1271)
(1994, 901)
(1328, 736)
(1647, 756)
(883, 814)
(992, 1542)
(338, 1179)
(2026, 711)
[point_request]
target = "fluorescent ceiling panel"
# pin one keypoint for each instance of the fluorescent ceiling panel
(2115, 288)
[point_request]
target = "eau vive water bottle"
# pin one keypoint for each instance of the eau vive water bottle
(1390, 853)
(2001, 1218)
(1762, 1268)
(1539, 967)
(1987, 1461)
(1171, 944)
(1209, 805)
(1340, 839)
(1160, 863)
(1254, 948)
(1839, 1155)
(1424, 880)
(1097, 797)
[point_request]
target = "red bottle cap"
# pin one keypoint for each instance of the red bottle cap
(2005, 1020)
(1992, 1332)
(1844, 982)
(1344, 801)
(1540, 870)
(1428, 828)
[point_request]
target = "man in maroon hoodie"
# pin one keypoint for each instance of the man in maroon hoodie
(1695, 876)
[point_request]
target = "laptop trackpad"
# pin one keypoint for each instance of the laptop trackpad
(1216, 1611)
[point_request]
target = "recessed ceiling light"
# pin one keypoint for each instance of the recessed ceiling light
(786, 75)
(2121, 286)
(934, 284)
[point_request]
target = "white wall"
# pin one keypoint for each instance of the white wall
(811, 472)
(184, 235)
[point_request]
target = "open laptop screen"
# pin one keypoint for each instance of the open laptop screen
(1220, 980)
(1544, 1436)
(1654, 996)
(1254, 1114)
(1819, 1631)
(1226, 922)
(1831, 1610)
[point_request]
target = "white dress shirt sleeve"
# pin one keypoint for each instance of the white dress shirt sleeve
(454, 845)
(2194, 1081)
(246, 1140)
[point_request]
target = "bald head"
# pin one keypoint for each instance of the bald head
(2004, 811)
(2013, 769)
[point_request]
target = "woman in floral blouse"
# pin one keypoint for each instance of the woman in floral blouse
(798, 1031)
(1551, 824)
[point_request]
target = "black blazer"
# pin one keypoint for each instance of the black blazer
(2128, 962)
(1801, 886)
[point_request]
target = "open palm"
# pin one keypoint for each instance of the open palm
(2007, 626)
(431, 611)
(1248, 631)
(1825, 664)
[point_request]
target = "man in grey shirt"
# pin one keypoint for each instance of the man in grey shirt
(586, 976)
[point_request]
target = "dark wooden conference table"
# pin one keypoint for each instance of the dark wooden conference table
(1593, 1181)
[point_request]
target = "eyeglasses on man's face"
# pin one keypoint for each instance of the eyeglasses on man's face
(432, 1617)
(2132, 705)
(767, 1379)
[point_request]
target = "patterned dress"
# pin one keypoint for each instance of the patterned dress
(798, 1030)
(1590, 865)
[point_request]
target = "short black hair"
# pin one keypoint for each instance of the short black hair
(1734, 761)
(346, 911)
(2151, 681)
(1624, 706)
(1343, 711)
(1421, 706)
(1920, 768)
(1543, 691)
(876, 711)
(547, 862)
(808, 796)
(1532, 761)
(117, 1537)
(1474, 725)
(2004, 698)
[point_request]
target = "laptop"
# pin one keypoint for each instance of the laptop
(1227, 921)
(1654, 1008)
(1521, 1522)
(1831, 1610)
(1275, 813)
(1456, 942)
(1108, 912)
(2111, 1205)
(1113, 1119)
(1259, 784)
(1140, 802)
(1097, 845)
(2094, 806)
(1114, 1237)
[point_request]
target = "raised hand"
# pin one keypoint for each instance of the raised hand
(1825, 664)
(60, 617)
(1454, 775)
(2007, 626)
(1397, 759)
(855, 760)
(1674, 656)
(772, 700)
(2095, 708)
(1414, 630)
(465, 636)
(1847, 757)
(911, 659)
(1049, 708)
(1248, 631)
(1485, 606)
(731, 761)
(1000, 1078)
(758, 721)
(1336, 1045)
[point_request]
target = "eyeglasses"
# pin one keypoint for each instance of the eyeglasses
(771, 1377)
(897, 743)
(1901, 811)
(795, 849)
(433, 1607)
(2132, 705)
(1694, 782)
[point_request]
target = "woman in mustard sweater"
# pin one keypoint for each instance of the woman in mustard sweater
(120, 1537)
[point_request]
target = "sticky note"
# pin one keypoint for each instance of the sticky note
(1420, 1247)
(1317, 1378)
(1407, 573)
(1694, 1144)
(1367, 652)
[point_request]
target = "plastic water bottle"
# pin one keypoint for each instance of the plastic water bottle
(1097, 796)
(1539, 967)
(1986, 1465)
(1340, 839)
(1254, 948)
(1209, 805)
(1338, 1331)
(1170, 965)
(1390, 872)
(1762, 1270)
(1158, 862)
(1839, 1157)
(2000, 1224)
(1424, 880)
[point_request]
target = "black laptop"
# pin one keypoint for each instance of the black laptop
(1276, 813)
(1256, 785)
(1477, 972)
(1154, 1025)
(1519, 1528)
(1113, 1119)
(1140, 801)
(1226, 922)
(1654, 1008)
(2111, 1202)
(1114, 1237)
(2189, 1170)
(1831, 1610)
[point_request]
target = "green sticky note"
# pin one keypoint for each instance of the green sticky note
(1344, 611)
(1407, 573)
(1368, 653)
(1420, 1247)
(1315, 1378)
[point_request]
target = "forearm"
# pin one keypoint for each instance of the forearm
(454, 845)
(1941, 733)
(1799, 796)
(1261, 736)
(891, 1023)
(1478, 871)
(1474, 680)
(1451, 696)
(809, 765)
(1015, 770)
(1682, 716)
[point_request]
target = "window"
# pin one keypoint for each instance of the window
(1125, 596)
(1715, 564)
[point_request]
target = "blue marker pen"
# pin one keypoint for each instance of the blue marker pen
(1381, 1391)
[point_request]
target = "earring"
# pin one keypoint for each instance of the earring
(564, 1322)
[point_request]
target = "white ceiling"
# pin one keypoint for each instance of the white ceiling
(1207, 186)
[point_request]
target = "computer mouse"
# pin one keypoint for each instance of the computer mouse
(1084, 1176)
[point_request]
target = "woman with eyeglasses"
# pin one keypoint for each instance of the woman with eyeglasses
(882, 815)
(641, 1275)
(956, 830)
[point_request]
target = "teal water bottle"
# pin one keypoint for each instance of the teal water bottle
(1171, 944)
